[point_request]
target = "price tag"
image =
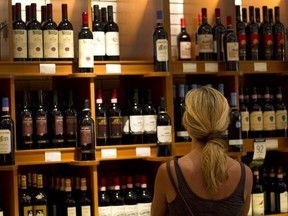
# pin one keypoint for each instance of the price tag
(52, 156)
(211, 67)
(47, 68)
(143, 151)
(259, 150)
(189, 67)
(109, 153)
(260, 66)
(113, 68)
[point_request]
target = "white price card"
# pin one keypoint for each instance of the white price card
(113, 68)
(271, 144)
(211, 67)
(52, 156)
(143, 151)
(260, 66)
(189, 67)
(47, 68)
(109, 153)
(259, 150)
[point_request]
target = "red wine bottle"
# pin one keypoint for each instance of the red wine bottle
(40, 203)
(144, 198)
(218, 33)
(281, 115)
(35, 37)
(98, 35)
(84, 207)
(266, 37)
(205, 38)
(27, 14)
(117, 199)
(252, 30)
(69, 200)
(130, 199)
(57, 120)
(256, 116)
(13, 12)
(65, 37)
(241, 34)
(85, 41)
(231, 48)
(101, 121)
(196, 37)
(86, 134)
(19, 36)
(257, 16)
(269, 124)
(104, 207)
(258, 197)
(25, 198)
(244, 111)
(103, 15)
(279, 37)
(281, 196)
(160, 45)
(183, 43)
(111, 37)
(270, 15)
(7, 133)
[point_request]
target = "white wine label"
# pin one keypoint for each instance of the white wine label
(144, 209)
(118, 210)
(20, 43)
(258, 204)
(40, 210)
(164, 134)
(185, 50)
(232, 51)
(35, 44)
(66, 43)
(136, 124)
(86, 58)
(50, 43)
(5, 141)
(205, 42)
(71, 211)
(112, 43)
(150, 123)
(281, 119)
(259, 152)
(283, 202)
(269, 120)
(104, 211)
(99, 43)
(256, 119)
(131, 210)
(245, 121)
(162, 50)
(125, 124)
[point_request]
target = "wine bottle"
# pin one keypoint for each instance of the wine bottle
(196, 44)
(183, 43)
(114, 121)
(218, 31)
(7, 145)
(98, 35)
(85, 41)
(57, 133)
(130, 199)
(281, 196)
(71, 133)
(256, 116)
(271, 192)
(241, 34)
(27, 14)
(160, 45)
(117, 199)
(65, 37)
(27, 135)
(136, 121)
(270, 16)
(278, 30)
(231, 48)
(103, 12)
(281, 115)
(101, 121)
(164, 131)
(266, 37)
(19, 36)
(125, 118)
(205, 38)
(25, 199)
(257, 16)
(244, 111)
(35, 37)
(257, 195)
(40, 203)
(269, 124)
(244, 15)
(13, 12)
(43, 14)
(235, 128)
(41, 124)
(104, 207)
(144, 198)
(111, 37)
(69, 201)
(85, 201)
(252, 31)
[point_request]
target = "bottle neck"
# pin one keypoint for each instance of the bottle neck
(18, 11)
(64, 13)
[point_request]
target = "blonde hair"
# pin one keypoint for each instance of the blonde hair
(206, 119)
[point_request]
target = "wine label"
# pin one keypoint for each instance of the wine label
(112, 43)
(101, 127)
(35, 44)
(281, 119)
(115, 126)
(66, 43)
(27, 126)
(41, 125)
(58, 121)
(272, 201)
(254, 43)
(99, 43)
(185, 50)
(268, 44)
(40, 210)
(85, 135)
(20, 43)
(205, 42)
(256, 119)
(86, 58)
(242, 40)
(125, 124)
(232, 51)
(136, 124)
(269, 120)
(162, 50)
(164, 134)
(279, 42)
(144, 209)
(27, 211)
(245, 121)
(104, 211)
(118, 210)
(71, 211)
(71, 125)
(150, 123)
(86, 210)
(1, 213)
(283, 202)
(258, 204)
(5, 141)
(131, 210)
(50, 43)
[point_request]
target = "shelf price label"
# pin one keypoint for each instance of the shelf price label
(113, 68)
(260, 66)
(47, 68)
(109, 153)
(189, 67)
(143, 151)
(211, 67)
(259, 153)
(52, 156)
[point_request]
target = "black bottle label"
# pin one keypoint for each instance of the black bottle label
(115, 126)
(101, 125)
(85, 135)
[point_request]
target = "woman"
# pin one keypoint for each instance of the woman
(211, 182)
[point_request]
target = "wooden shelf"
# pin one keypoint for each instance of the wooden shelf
(248, 144)
(8, 168)
(263, 67)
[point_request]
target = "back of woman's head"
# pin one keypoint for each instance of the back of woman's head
(206, 119)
